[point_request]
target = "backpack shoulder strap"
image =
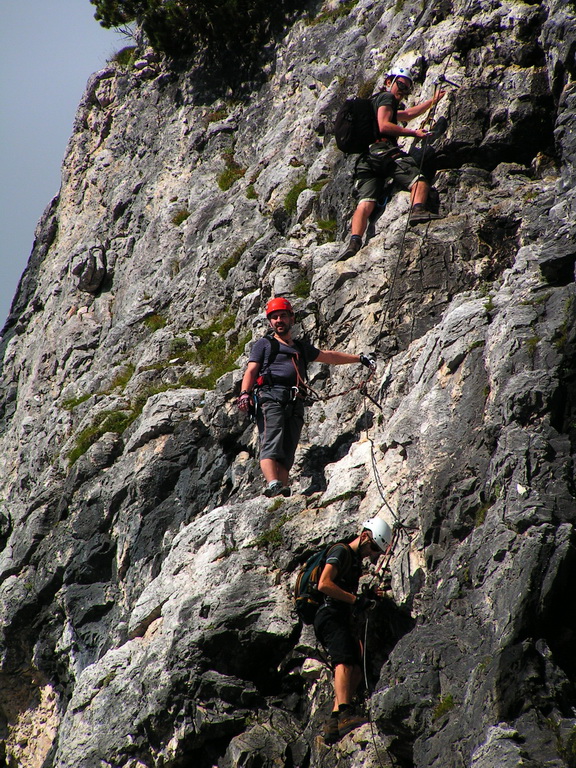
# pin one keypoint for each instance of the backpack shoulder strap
(300, 349)
(274, 349)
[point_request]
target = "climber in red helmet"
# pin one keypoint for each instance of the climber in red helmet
(274, 380)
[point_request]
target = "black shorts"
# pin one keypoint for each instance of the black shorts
(338, 637)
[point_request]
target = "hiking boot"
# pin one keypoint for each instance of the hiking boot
(330, 731)
(353, 247)
(274, 488)
(285, 491)
(349, 720)
(419, 214)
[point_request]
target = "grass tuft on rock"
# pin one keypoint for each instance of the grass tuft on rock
(291, 198)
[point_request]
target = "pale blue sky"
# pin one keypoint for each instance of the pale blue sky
(48, 49)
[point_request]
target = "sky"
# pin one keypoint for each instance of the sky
(48, 50)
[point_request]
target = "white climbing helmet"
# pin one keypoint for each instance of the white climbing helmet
(380, 531)
(401, 72)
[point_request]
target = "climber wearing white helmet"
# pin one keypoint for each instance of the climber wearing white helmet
(335, 624)
(384, 159)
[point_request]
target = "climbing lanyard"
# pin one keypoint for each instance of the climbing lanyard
(314, 396)
(440, 79)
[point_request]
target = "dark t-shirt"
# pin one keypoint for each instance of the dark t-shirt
(349, 571)
(282, 368)
(387, 99)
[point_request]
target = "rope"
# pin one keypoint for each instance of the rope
(365, 669)
(429, 119)
(407, 224)
(317, 397)
(399, 527)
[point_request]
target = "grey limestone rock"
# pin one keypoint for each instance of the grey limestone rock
(145, 582)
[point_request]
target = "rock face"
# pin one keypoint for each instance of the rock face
(145, 603)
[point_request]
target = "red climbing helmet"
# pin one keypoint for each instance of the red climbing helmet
(279, 305)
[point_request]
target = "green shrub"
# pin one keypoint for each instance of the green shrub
(251, 192)
(445, 705)
(215, 116)
(532, 345)
(179, 346)
(343, 9)
(328, 230)
(126, 57)
(481, 512)
(226, 31)
(562, 334)
(180, 215)
(489, 304)
(291, 198)
(72, 402)
(211, 353)
(122, 378)
(366, 89)
(302, 287)
(154, 322)
(231, 173)
(273, 537)
(231, 261)
(107, 421)
(318, 185)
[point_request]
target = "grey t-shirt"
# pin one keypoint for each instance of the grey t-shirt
(283, 366)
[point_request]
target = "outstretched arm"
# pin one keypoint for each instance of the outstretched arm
(392, 130)
(336, 358)
(419, 109)
(342, 358)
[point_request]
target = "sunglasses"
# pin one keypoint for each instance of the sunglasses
(403, 88)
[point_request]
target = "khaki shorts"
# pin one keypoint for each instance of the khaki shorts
(370, 185)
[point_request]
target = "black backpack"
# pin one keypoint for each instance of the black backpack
(307, 596)
(356, 126)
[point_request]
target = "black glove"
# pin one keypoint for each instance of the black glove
(370, 592)
(363, 603)
(368, 361)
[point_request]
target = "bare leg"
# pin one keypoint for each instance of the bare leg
(347, 678)
(419, 193)
(361, 216)
(273, 470)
